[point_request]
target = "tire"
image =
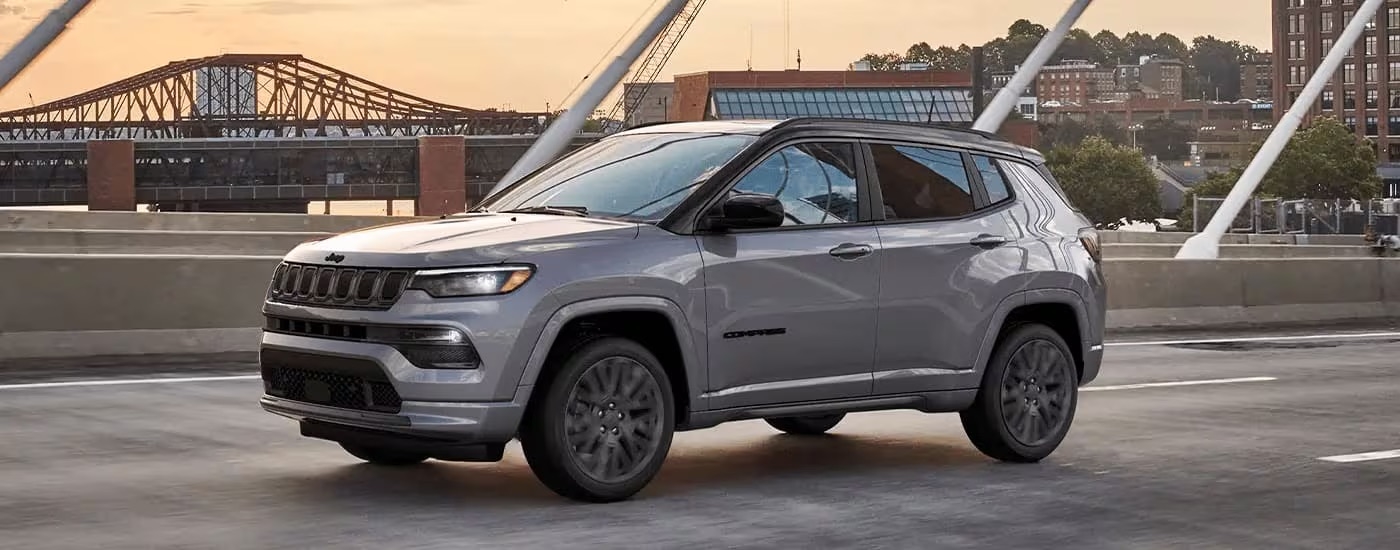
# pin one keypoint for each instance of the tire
(582, 396)
(381, 456)
(1004, 421)
(806, 425)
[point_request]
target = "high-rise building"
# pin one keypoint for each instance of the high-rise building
(1365, 92)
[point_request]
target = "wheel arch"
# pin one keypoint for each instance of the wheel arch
(1030, 303)
(688, 386)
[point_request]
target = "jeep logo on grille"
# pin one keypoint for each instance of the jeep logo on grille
(337, 258)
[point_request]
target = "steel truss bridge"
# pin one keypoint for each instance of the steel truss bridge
(250, 127)
(287, 169)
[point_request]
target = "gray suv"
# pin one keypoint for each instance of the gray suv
(679, 276)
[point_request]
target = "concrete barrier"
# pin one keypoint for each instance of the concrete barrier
(96, 304)
(1242, 251)
(93, 304)
(1174, 237)
(127, 241)
(187, 221)
(1166, 293)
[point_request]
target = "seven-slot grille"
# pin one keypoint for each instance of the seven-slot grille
(344, 287)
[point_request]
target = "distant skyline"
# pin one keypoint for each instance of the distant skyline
(523, 54)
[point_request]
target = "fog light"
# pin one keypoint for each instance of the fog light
(429, 356)
(416, 335)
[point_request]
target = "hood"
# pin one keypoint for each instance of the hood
(464, 240)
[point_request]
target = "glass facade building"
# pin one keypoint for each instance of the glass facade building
(940, 105)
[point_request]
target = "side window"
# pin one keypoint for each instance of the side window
(816, 182)
(922, 183)
(998, 189)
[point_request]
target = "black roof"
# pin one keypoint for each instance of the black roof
(867, 128)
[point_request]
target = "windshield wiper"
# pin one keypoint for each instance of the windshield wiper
(576, 211)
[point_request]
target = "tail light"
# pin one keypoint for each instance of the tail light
(1089, 237)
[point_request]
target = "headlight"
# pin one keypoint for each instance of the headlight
(471, 281)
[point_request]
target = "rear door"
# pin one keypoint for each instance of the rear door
(947, 251)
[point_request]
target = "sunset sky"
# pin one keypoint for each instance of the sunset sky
(523, 54)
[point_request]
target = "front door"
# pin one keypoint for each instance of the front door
(792, 310)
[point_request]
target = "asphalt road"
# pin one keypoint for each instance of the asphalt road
(196, 464)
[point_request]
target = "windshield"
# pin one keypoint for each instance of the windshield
(637, 177)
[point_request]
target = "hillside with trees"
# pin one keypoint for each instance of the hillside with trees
(1213, 63)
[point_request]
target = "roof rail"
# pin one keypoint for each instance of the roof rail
(828, 120)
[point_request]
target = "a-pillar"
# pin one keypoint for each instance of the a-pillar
(111, 175)
(442, 176)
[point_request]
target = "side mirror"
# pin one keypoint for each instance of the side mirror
(747, 211)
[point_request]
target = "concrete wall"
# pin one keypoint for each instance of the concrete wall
(76, 305)
(127, 241)
(1168, 250)
(186, 221)
(1165, 293)
(1174, 237)
(92, 304)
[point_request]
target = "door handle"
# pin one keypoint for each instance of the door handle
(988, 241)
(850, 251)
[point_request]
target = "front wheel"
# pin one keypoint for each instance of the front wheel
(1028, 397)
(604, 424)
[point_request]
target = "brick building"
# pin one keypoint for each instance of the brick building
(1257, 77)
(1162, 78)
(1075, 82)
(1365, 92)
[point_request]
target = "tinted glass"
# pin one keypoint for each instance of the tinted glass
(638, 176)
(816, 182)
(920, 183)
(992, 179)
(939, 105)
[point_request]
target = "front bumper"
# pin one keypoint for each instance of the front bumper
(371, 386)
(460, 422)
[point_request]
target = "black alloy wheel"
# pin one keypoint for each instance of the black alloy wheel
(1036, 393)
(614, 419)
(1028, 398)
(601, 424)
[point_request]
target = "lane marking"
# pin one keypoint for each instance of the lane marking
(1363, 457)
(84, 383)
(1339, 336)
(1180, 383)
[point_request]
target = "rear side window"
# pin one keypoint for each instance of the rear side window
(922, 183)
(993, 180)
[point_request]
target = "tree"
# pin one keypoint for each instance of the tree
(1070, 132)
(1217, 64)
(1113, 49)
(1323, 161)
(1108, 182)
(1211, 62)
(883, 61)
(1165, 138)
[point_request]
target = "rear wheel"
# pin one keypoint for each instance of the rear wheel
(806, 425)
(383, 456)
(1028, 397)
(603, 426)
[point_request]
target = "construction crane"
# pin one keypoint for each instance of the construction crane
(655, 60)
